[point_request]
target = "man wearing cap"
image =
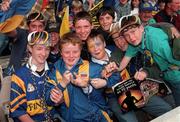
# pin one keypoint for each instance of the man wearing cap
(155, 41)
(35, 22)
(145, 13)
(29, 83)
(170, 13)
(53, 30)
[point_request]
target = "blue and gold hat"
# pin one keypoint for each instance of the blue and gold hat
(41, 38)
(146, 6)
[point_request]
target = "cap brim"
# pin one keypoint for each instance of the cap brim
(11, 23)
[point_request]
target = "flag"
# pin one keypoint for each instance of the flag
(12, 18)
(65, 28)
(44, 4)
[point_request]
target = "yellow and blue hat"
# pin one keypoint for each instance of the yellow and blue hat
(146, 6)
(41, 38)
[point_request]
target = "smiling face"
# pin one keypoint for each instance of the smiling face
(54, 38)
(105, 21)
(121, 43)
(83, 28)
(134, 35)
(96, 48)
(70, 54)
(145, 16)
(39, 54)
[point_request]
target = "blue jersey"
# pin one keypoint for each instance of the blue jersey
(27, 89)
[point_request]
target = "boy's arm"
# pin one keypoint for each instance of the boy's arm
(124, 62)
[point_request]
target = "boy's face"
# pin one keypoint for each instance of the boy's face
(83, 28)
(105, 21)
(134, 35)
(96, 48)
(70, 54)
(36, 26)
(39, 54)
(121, 43)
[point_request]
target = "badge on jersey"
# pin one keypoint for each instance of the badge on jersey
(30, 87)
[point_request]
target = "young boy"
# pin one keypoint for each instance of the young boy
(82, 101)
(106, 16)
(96, 46)
(83, 26)
(30, 81)
(155, 41)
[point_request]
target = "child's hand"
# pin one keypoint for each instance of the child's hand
(109, 69)
(67, 77)
(56, 96)
(80, 80)
(98, 83)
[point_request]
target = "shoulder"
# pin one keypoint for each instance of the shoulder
(155, 32)
(23, 71)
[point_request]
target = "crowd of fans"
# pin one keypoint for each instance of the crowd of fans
(69, 78)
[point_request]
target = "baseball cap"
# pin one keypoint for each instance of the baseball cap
(129, 21)
(36, 37)
(146, 6)
(53, 27)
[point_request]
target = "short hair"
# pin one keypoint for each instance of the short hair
(94, 33)
(77, 4)
(105, 10)
(82, 15)
(72, 38)
(35, 16)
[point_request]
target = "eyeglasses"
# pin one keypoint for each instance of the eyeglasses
(39, 38)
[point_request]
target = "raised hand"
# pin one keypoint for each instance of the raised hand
(56, 96)
(5, 5)
(67, 77)
(80, 80)
(109, 69)
(98, 83)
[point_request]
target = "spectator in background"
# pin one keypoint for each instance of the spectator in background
(35, 22)
(161, 4)
(106, 16)
(83, 25)
(122, 8)
(145, 13)
(135, 7)
(170, 13)
(53, 29)
(76, 7)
